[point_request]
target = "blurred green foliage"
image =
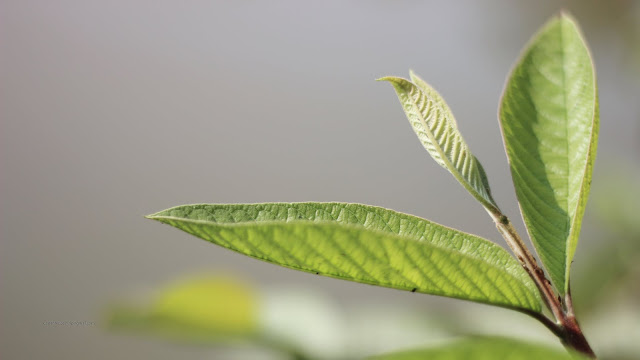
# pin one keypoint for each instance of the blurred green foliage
(610, 270)
(483, 348)
(205, 309)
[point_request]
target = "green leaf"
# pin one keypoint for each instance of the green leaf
(366, 244)
(483, 348)
(437, 130)
(549, 118)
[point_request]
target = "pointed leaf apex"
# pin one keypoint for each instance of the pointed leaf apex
(565, 14)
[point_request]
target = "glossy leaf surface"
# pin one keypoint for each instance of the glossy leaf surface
(433, 122)
(549, 118)
(366, 244)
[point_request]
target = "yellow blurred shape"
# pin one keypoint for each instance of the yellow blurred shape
(219, 304)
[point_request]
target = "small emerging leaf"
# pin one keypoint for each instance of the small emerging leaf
(549, 118)
(483, 348)
(364, 244)
(437, 129)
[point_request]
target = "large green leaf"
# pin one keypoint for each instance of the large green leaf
(549, 118)
(437, 129)
(365, 244)
(483, 348)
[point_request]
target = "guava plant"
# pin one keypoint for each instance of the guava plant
(549, 120)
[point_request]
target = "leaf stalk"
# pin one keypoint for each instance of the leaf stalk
(566, 326)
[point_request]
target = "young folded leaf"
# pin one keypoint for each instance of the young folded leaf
(365, 244)
(437, 129)
(549, 119)
(494, 348)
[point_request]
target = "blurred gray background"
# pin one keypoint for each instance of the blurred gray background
(110, 110)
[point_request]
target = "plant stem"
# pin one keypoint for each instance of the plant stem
(573, 337)
(529, 263)
(566, 326)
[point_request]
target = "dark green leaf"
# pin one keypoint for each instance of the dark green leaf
(549, 117)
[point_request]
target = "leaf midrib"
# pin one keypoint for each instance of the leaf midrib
(411, 219)
(573, 210)
(565, 256)
(577, 219)
(566, 127)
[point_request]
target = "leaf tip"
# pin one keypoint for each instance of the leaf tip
(401, 85)
(418, 80)
(565, 16)
(414, 77)
(564, 13)
(386, 78)
(154, 216)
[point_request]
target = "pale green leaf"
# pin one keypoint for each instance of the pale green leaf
(366, 244)
(437, 130)
(483, 348)
(549, 118)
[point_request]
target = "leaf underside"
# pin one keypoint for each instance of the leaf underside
(436, 127)
(365, 244)
(549, 120)
(482, 348)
